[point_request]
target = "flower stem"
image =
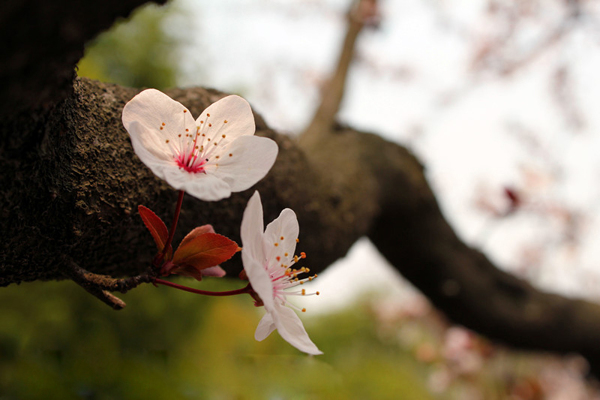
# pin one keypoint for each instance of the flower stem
(173, 225)
(246, 289)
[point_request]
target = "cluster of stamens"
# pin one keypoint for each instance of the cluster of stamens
(285, 277)
(193, 151)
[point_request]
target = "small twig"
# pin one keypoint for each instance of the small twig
(333, 92)
(101, 285)
(107, 297)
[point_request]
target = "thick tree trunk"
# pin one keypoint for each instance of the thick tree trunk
(71, 184)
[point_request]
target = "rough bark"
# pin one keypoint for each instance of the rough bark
(70, 186)
(41, 43)
(78, 184)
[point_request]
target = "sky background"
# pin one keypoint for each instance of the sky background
(416, 82)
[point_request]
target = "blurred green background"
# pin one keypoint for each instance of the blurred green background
(137, 52)
(57, 341)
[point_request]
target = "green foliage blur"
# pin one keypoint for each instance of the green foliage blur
(58, 342)
(137, 52)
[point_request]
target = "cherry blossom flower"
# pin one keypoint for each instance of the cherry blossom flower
(209, 158)
(268, 257)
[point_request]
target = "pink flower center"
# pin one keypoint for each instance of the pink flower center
(190, 162)
(193, 151)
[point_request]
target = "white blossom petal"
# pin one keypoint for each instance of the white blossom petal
(202, 186)
(231, 116)
(252, 228)
(260, 280)
(147, 145)
(280, 238)
(245, 161)
(151, 110)
(291, 329)
(265, 327)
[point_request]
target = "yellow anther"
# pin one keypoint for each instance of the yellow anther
(161, 128)
(318, 293)
(297, 240)
(217, 157)
(304, 310)
(276, 244)
(296, 258)
(215, 143)
(163, 124)
(201, 123)
(303, 292)
(281, 238)
(223, 136)
(225, 121)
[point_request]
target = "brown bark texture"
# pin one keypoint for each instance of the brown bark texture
(71, 183)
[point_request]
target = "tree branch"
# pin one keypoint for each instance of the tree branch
(43, 41)
(361, 13)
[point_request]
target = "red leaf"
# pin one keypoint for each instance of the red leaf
(187, 271)
(197, 232)
(155, 225)
(204, 251)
